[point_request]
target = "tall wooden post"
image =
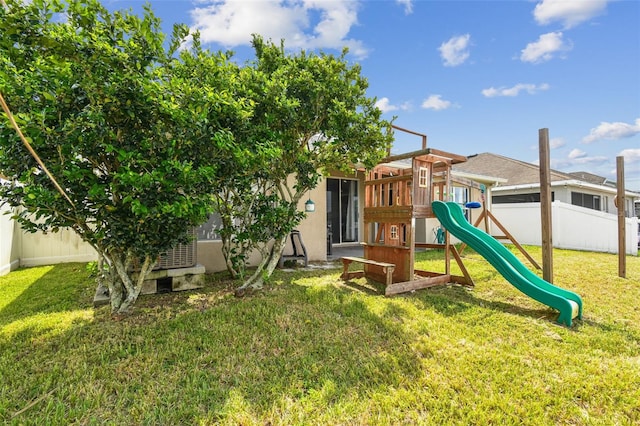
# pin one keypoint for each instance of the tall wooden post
(545, 205)
(447, 236)
(483, 199)
(622, 241)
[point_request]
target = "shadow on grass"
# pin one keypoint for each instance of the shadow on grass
(455, 300)
(449, 300)
(371, 287)
(207, 356)
(292, 349)
(62, 288)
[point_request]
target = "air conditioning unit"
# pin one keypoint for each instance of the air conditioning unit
(181, 256)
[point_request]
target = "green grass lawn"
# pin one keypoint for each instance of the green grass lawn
(309, 349)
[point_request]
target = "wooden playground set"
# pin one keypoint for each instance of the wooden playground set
(413, 186)
(399, 191)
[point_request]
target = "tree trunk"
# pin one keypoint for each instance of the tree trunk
(227, 254)
(270, 261)
(134, 288)
(123, 290)
(266, 267)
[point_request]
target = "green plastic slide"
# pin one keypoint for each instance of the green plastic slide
(568, 303)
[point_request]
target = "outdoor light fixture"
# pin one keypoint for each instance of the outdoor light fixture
(309, 206)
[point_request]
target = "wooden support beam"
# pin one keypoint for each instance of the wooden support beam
(456, 255)
(434, 153)
(545, 205)
(622, 242)
(513, 240)
(397, 288)
(387, 268)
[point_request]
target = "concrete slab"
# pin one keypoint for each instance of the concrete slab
(101, 297)
(181, 279)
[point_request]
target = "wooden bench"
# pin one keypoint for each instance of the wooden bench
(387, 268)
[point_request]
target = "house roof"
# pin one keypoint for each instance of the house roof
(516, 172)
(405, 163)
(591, 178)
(519, 173)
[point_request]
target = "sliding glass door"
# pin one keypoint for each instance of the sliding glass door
(342, 210)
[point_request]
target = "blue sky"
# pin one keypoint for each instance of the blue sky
(475, 76)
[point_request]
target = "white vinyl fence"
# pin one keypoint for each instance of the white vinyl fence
(18, 248)
(575, 228)
(55, 247)
(8, 250)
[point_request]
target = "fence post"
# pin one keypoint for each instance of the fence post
(545, 206)
(622, 235)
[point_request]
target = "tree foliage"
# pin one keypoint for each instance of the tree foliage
(310, 115)
(110, 111)
(146, 139)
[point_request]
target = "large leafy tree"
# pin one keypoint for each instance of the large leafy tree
(112, 113)
(310, 115)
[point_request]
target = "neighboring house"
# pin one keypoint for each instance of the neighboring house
(585, 214)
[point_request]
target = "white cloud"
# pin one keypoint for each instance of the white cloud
(384, 105)
(617, 130)
(436, 103)
(532, 89)
(597, 160)
(455, 50)
(631, 155)
(405, 106)
(577, 153)
(569, 12)
(556, 143)
(545, 48)
(232, 22)
(408, 6)
(580, 158)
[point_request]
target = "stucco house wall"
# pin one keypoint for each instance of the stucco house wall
(18, 248)
(312, 229)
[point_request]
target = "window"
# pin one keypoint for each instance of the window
(423, 177)
(533, 197)
(393, 231)
(589, 201)
(460, 195)
(208, 231)
(342, 210)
